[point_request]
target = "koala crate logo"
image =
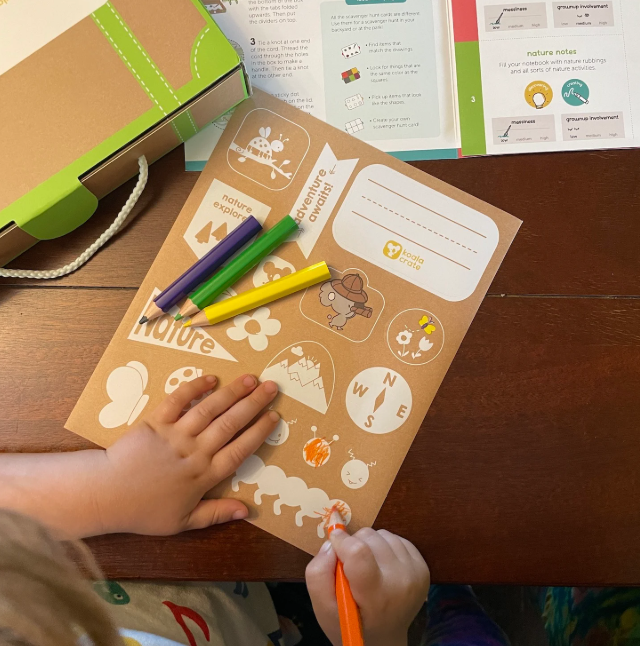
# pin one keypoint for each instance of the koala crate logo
(392, 250)
(395, 251)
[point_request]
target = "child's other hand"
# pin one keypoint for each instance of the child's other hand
(388, 577)
(157, 474)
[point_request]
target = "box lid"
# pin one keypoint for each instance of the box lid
(84, 81)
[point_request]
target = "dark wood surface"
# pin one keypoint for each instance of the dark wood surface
(526, 467)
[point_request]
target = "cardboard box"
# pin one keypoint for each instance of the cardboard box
(87, 87)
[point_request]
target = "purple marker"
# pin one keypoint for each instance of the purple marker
(201, 270)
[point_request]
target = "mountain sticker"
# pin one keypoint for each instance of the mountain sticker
(305, 372)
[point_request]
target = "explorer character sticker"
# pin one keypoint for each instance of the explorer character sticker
(268, 149)
(346, 304)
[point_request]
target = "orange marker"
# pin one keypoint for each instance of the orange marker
(350, 623)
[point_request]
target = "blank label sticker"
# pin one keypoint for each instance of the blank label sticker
(416, 233)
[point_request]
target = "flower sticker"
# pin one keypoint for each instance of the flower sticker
(415, 337)
(404, 339)
(256, 327)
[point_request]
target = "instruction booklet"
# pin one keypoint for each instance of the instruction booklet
(358, 358)
(426, 79)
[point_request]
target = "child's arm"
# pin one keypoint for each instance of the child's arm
(388, 578)
(152, 480)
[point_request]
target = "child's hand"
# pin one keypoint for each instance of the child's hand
(157, 474)
(388, 578)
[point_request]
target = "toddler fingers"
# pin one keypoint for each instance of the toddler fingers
(382, 551)
(414, 552)
(171, 408)
(227, 460)
(396, 544)
(215, 512)
(224, 428)
(360, 565)
(200, 416)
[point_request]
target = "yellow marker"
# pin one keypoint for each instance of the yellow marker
(258, 296)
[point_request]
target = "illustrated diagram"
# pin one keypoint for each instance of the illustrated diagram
(538, 94)
(349, 76)
(347, 304)
(353, 102)
(415, 337)
(271, 268)
(292, 492)
(268, 149)
(257, 327)
(379, 400)
(351, 50)
(355, 473)
(125, 388)
(317, 451)
(354, 126)
(575, 92)
(515, 17)
(305, 372)
(280, 433)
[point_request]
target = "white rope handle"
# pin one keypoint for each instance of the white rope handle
(100, 242)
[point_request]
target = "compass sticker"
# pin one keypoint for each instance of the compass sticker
(379, 400)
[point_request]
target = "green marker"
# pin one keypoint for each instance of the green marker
(238, 267)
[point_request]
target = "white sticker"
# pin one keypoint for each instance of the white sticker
(379, 400)
(220, 212)
(28, 25)
(319, 196)
(169, 333)
(415, 232)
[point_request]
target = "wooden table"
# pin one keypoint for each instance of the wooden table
(526, 467)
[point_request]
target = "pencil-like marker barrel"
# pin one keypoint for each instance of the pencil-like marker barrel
(262, 295)
(244, 262)
(208, 264)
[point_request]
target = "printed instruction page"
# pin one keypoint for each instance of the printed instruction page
(559, 74)
(379, 71)
(358, 358)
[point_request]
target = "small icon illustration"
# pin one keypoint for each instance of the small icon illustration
(271, 268)
(353, 102)
(268, 149)
(392, 249)
(415, 337)
(354, 126)
(125, 388)
(379, 400)
(305, 372)
(497, 22)
(351, 50)
(575, 92)
(317, 451)
(538, 94)
(355, 473)
(506, 132)
(215, 7)
(280, 433)
(349, 76)
(181, 376)
(347, 298)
